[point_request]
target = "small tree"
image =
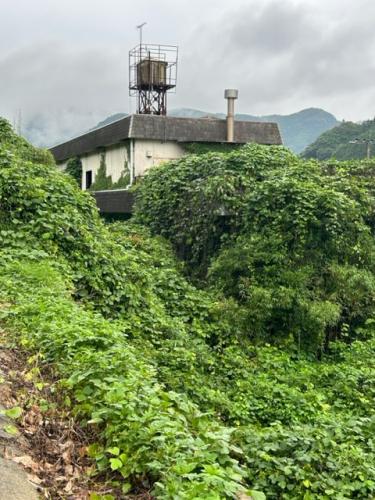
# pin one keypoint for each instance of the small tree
(74, 169)
(102, 180)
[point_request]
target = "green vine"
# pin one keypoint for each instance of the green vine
(74, 168)
(289, 243)
(102, 180)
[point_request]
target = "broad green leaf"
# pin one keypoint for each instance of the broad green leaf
(14, 412)
(257, 495)
(114, 451)
(115, 463)
(126, 487)
(11, 429)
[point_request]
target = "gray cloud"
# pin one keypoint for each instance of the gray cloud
(65, 64)
(68, 89)
(287, 54)
(271, 30)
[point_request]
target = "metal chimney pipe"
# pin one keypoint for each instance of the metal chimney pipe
(231, 95)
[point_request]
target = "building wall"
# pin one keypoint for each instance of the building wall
(90, 161)
(62, 166)
(136, 154)
(117, 160)
(148, 153)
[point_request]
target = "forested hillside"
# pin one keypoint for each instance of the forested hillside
(220, 343)
(344, 142)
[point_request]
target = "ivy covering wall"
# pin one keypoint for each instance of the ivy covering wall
(74, 168)
(104, 182)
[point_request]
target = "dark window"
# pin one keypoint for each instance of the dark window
(88, 179)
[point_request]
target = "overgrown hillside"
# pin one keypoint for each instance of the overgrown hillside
(261, 379)
(337, 142)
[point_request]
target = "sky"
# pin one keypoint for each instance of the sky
(64, 64)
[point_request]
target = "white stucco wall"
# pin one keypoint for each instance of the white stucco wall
(90, 161)
(62, 166)
(148, 153)
(115, 158)
(140, 155)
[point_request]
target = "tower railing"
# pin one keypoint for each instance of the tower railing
(152, 75)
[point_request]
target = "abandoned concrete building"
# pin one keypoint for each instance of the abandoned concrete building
(138, 142)
(129, 147)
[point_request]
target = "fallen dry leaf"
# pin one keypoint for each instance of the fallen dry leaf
(8, 453)
(34, 479)
(82, 451)
(69, 486)
(67, 456)
(68, 470)
(26, 461)
(67, 444)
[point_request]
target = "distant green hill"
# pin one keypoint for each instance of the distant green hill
(336, 143)
(298, 130)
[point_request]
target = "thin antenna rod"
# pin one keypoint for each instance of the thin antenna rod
(140, 28)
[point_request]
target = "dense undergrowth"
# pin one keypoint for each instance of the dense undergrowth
(290, 243)
(264, 380)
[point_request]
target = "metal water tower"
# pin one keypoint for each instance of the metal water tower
(152, 75)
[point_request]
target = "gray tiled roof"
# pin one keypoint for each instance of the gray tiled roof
(166, 128)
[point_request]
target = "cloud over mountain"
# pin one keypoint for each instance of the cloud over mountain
(67, 62)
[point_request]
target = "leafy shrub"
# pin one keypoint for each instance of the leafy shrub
(74, 168)
(102, 180)
(324, 460)
(52, 219)
(21, 147)
(273, 232)
(144, 428)
(198, 199)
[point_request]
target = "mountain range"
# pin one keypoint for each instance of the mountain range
(298, 130)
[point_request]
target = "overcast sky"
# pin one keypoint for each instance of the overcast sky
(68, 58)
